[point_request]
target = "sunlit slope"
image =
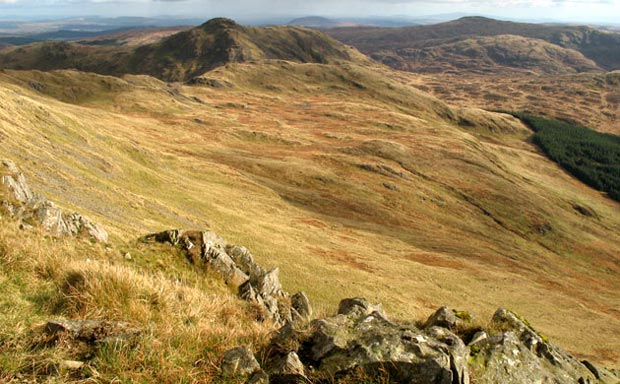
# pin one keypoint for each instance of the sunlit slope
(502, 54)
(351, 182)
(184, 55)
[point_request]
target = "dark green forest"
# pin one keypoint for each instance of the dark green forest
(592, 157)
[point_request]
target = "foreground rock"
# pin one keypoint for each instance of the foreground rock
(239, 362)
(17, 200)
(91, 331)
(519, 354)
(360, 344)
(237, 266)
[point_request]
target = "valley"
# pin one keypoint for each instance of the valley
(354, 179)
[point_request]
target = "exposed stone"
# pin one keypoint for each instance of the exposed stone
(258, 377)
(444, 317)
(288, 365)
(91, 331)
(521, 355)
(360, 336)
(604, 375)
(459, 353)
(301, 309)
(21, 203)
(357, 307)
(237, 267)
(244, 260)
(210, 82)
(478, 337)
(239, 361)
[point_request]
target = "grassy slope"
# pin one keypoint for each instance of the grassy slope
(186, 318)
(349, 181)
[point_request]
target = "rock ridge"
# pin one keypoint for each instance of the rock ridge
(18, 201)
(361, 344)
(237, 267)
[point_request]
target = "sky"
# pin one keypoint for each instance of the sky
(585, 11)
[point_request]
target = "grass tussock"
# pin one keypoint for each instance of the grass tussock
(184, 319)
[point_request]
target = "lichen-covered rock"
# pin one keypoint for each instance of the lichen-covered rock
(288, 369)
(359, 307)
(459, 353)
(360, 336)
(237, 267)
(238, 362)
(21, 203)
(443, 317)
(519, 354)
(301, 310)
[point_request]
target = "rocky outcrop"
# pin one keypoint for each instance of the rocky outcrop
(239, 362)
(91, 331)
(519, 354)
(360, 344)
(17, 200)
(237, 267)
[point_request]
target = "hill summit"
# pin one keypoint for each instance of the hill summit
(410, 45)
(187, 54)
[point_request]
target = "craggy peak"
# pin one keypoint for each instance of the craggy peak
(344, 198)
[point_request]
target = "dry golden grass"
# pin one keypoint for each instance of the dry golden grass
(186, 319)
(354, 183)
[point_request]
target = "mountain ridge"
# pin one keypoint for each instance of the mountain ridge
(186, 54)
(341, 172)
(599, 46)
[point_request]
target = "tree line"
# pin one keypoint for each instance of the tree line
(592, 157)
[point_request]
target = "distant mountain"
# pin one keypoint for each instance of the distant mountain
(187, 54)
(89, 24)
(407, 43)
(134, 37)
(60, 35)
(491, 54)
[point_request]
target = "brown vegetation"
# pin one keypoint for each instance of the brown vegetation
(478, 218)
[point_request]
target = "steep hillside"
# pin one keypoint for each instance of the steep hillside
(4, 45)
(353, 183)
(187, 54)
(381, 43)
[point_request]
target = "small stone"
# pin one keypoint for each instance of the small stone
(289, 365)
(127, 256)
(301, 304)
(71, 365)
(359, 307)
(239, 361)
(478, 337)
(444, 317)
